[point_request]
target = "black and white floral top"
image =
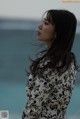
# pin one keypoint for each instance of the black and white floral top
(49, 95)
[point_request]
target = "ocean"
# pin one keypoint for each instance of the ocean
(16, 46)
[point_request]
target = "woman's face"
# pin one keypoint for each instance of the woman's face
(46, 32)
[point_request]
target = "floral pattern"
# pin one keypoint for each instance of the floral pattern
(50, 94)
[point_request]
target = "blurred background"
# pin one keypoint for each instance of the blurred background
(19, 20)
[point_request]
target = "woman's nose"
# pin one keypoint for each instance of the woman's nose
(40, 26)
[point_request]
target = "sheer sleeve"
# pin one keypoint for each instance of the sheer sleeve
(39, 94)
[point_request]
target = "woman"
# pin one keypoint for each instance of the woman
(52, 76)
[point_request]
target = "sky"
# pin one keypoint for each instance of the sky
(34, 9)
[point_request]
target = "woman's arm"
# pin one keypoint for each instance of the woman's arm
(40, 94)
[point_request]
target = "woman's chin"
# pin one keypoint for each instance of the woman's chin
(39, 38)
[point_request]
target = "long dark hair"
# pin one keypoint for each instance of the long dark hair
(60, 50)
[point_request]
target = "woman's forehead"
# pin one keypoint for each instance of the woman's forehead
(47, 17)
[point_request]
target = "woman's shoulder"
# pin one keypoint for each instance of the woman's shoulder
(44, 61)
(69, 72)
(72, 67)
(49, 71)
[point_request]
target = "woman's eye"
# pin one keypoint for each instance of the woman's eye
(45, 22)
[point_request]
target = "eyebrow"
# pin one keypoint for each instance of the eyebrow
(46, 19)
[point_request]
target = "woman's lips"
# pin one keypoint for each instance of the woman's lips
(38, 32)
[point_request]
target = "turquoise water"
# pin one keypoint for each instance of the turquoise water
(15, 48)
